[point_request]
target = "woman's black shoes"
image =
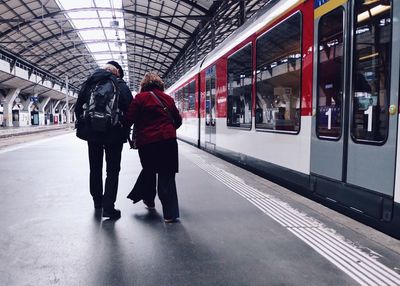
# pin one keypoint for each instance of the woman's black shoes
(149, 205)
(112, 214)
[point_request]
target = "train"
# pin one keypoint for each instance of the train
(305, 94)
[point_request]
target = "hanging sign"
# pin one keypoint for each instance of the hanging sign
(318, 3)
(34, 99)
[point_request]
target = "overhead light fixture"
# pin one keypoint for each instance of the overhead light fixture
(114, 23)
(369, 56)
(374, 11)
(369, 2)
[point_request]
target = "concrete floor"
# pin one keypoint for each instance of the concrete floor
(51, 235)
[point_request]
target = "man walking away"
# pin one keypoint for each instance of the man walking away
(102, 101)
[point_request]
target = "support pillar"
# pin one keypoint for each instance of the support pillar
(62, 110)
(43, 104)
(72, 113)
(8, 105)
(25, 114)
(53, 111)
(66, 100)
(55, 106)
(42, 107)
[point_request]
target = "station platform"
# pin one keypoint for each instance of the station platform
(235, 228)
(16, 131)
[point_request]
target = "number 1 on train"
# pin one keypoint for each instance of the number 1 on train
(368, 112)
(329, 114)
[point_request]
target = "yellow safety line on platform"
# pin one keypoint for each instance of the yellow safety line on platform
(327, 7)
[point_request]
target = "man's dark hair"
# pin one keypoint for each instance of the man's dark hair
(120, 70)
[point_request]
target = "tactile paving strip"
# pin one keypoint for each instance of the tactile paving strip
(359, 265)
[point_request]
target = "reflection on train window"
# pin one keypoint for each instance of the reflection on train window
(330, 75)
(185, 103)
(179, 95)
(191, 99)
(239, 88)
(173, 95)
(185, 97)
(372, 56)
(278, 77)
(210, 96)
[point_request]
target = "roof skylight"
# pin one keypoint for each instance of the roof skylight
(100, 25)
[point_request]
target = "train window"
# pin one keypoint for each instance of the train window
(278, 77)
(177, 103)
(210, 96)
(172, 94)
(180, 99)
(330, 75)
(186, 98)
(239, 88)
(175, 97)
(192, 91)
(371, 71)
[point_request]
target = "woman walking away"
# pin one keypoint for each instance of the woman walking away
(156, 119)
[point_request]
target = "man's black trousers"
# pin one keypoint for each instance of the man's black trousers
(113, 166)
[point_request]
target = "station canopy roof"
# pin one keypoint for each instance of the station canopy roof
(74, 37)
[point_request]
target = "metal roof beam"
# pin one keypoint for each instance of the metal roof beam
(107, 41)
(65, 33)
(140, 15)
(75, 74)
(242, 13)
(29, 65)
(21, 22)
(194, 4)
(211, 13)
(82, 44)
(59, 64)
(145, 64)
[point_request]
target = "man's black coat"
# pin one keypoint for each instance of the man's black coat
(115, 134)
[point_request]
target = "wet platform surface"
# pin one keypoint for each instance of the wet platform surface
(235, 228)
(17, 131)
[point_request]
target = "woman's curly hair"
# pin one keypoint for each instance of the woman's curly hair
(151, 81)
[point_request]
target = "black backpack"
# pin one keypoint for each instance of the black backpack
(102, 112)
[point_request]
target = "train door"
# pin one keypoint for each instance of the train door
(210, 108)
(354, 126)
(34, 118)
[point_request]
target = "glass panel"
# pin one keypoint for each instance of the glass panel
(180, 99)
(371, 70)
(173, 95)
(330, 75)
(186, 97)
(278, 77)
(210, 96)
(192, 92)
(239, 88)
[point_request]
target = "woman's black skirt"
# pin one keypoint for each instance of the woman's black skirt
(160, 156)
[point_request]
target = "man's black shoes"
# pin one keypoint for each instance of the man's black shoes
(98, 203)
(112, 213)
